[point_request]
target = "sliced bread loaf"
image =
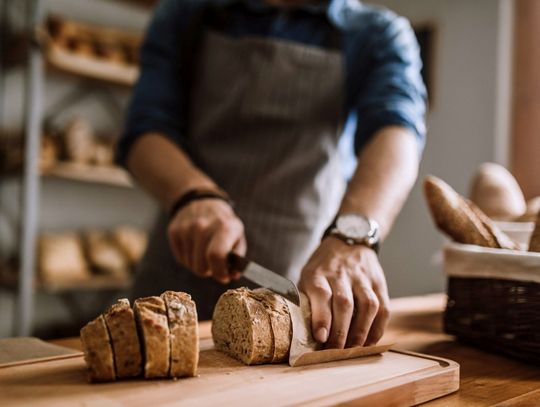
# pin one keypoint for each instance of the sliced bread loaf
(184, 333)
(241, 327)
(98, 352)
(151, 317)
(280, 322)
(120, 322)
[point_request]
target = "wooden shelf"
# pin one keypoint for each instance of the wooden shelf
(91, 51)
(96, 282)
(115, 176)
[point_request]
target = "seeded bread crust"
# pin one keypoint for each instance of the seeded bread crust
(120, 322)
(151, 317)
(280, 321)
(184, 333)
(98, 352)
(241, 328)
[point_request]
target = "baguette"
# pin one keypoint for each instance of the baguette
(98, 352)
(502, 239)
(460, 219)
(534, 243)
(120, 322)
(184, 334)
(151, 318)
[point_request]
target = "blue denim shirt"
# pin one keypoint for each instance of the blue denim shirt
(382, 63)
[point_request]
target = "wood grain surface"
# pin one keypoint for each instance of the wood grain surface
(393, 378)
(486, 379)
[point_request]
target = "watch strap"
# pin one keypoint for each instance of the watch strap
(197, 194)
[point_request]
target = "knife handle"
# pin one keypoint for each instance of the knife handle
(236, 262)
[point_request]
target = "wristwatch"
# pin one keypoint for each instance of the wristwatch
(355, 229)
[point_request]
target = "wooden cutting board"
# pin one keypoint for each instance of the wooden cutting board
(393, 378)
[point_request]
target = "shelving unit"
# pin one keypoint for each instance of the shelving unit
(115, 176)
(40, 57)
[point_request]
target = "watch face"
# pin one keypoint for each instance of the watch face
(353, 226)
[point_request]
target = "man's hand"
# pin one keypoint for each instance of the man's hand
(348, 294)
(202, 234)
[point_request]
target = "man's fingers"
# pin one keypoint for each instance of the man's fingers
(175, 247)
(319, 293)
(239, 248)
(342, 311)
(367, 306)
(222, 242)
(201, 237)
(179, 245)
(383, 315)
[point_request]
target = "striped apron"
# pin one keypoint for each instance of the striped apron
(265, 118)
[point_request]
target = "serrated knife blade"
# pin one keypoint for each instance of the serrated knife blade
(264, 277)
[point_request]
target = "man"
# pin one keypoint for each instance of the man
(243, 101)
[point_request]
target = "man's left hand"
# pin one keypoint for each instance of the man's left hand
(347, 290)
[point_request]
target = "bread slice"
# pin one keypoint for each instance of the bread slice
(120, 322)
(184, 333)
(151, 317)
(242, 329)
(280, 322)
(534, 243)
(98, 352)
(456, 217)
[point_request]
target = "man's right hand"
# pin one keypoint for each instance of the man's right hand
(202, 233)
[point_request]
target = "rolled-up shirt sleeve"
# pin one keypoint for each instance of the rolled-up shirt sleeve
(157, 102)
(391, 90)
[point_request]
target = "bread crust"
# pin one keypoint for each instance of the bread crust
(280, 322)
(151, 318)
(534, 243)
(241, 327)
(461, 219)
(184, 333)
(98, 352)
(502, 240)
(120, 321)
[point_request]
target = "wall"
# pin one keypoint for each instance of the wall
(468, 123)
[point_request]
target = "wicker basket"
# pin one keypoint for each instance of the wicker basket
(494, 299)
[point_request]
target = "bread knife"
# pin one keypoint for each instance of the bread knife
(264, 277)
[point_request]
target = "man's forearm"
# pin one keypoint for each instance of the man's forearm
(387, 169)
(164, 169)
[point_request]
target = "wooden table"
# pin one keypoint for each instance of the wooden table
(486, 379)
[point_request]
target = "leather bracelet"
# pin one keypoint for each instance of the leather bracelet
(196, 195)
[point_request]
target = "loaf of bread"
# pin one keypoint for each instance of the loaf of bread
(132, 241)
(153, 326)
(98, 352)
(158, 338)
(61, 258)
(534, 243)
(533, 207)
(104, 255)
(120, 322)
(253, 327)
(460, 219)
(497, 193)
(184, 333)
(79, 141)
(280, 322)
